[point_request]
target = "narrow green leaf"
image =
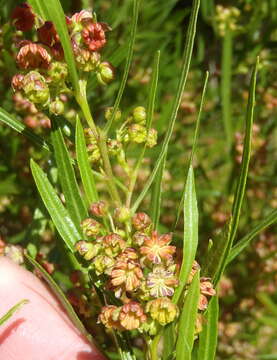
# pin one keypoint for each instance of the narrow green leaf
(226, 71)
(177, 100)
(219, 256)
(11, 312)
(58, 213)
(73, 201)
(16, 125)
(136, 4)
(268, 303)
(208, 336)
(156, 196)
(61, 297)
(52, 10)
(194, 144)
(84, 165)
(38, 8)
(187, 321)
(245, 241)
(190, 241)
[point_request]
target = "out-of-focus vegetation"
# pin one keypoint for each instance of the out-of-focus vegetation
(230, 35)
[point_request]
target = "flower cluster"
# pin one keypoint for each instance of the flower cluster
(43, 81)
(136, 265)
(226, 19)
(132, 131)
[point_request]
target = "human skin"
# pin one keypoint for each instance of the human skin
(39, 330)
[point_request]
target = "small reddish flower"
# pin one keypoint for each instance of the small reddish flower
(156, 248)
(23, 17)
(47, 34)
(195, 267)
(99, 208)
(80, 16)
(93, 35)
(113, 244)
(202, 303)
(33, 56)
(109, 317)
(206, 287)
(141, 221)
(17, 81)
(131, 316)
(161, 282)
(126, 274)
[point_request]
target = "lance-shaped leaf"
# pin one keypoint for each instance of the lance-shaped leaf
(245, 241)
(16, 125)
(84, 165)
(177, 100)
(208, 335)
(74, 202)
(57, 211)
(61, 297)
(218, 256)
(187, 321)
(190, 241)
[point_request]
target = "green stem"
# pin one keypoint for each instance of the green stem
(153, 347)
(100, 136)
(226, 75)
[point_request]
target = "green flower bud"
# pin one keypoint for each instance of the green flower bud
(90, 227)
(56, 107)
(87, 250)
(109, 112)
(152, 138)
(103, 264)
(105, 73)
(35, 88)
(163, 310)
(122, 214)
(137, 133)
(139, 114)
(57, 71)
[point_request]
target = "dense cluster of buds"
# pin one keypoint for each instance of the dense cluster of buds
(226, 19)
(138, 266)
(132, 131)
(43, 81)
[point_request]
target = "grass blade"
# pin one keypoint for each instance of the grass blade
(219, 256)
(16, 125)
(208, 336)
(190, 233)
(268, 303)
(11, 312)
(245, 241)
(74, 202)
(58, 213)
(187, 321)
(52, 10)
(134, 23)
(194, 144)
(61, 297)
(84, 165)
(183, 77)
(38, 8)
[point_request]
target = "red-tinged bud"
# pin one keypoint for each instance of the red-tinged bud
(139, 238)
(93, 35)
(23, 17)
(91, 227)
(132, 316)
(80, 16)
(33, 56)
(17, 82)
(141, 221)
(99, 208)
(202, 303)
(47, 34)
